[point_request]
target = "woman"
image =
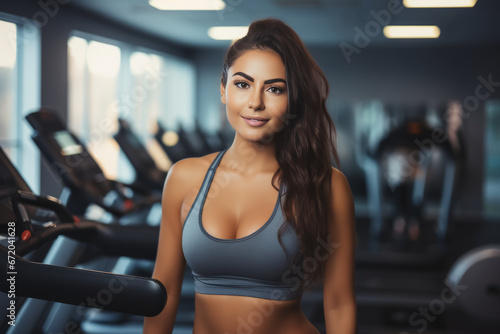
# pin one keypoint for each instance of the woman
(268, 217)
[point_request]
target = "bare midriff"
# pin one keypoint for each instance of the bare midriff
(228, 314)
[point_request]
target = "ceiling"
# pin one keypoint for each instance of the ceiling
(318, 22)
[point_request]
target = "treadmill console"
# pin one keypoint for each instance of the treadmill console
(68, 145)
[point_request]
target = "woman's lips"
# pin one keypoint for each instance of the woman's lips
(258, 121)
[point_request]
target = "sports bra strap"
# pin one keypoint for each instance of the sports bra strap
(217, 159)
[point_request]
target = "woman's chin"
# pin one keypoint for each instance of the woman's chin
(255, 139)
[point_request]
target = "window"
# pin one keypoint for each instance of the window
(94, 69)
(8, 78)
(110, 79)
(491, 185)
(19, 93)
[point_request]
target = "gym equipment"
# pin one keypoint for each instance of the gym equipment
(173, 144)
(146, 171)
(404, 157)
(410, 176)
(26, 233)
(211, 143)
(196, 140)
(86, 183)
(474, 290)
(411, 173)
(188, 144)
(70, 285)
(43, 121)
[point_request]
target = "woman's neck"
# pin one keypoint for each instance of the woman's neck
(250, 158)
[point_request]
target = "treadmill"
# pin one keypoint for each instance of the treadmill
(394, 277)
(85, 182)
(196, 140)
(41, 245)
(175, 146)
(411, 167)
(147, 172)
(211, 143)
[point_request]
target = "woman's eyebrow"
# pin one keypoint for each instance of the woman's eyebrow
(270, 81)
(244, 75)
(249, 78)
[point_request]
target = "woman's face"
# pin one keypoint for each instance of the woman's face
(256, 89)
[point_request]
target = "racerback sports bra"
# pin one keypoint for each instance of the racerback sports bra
(253, 266)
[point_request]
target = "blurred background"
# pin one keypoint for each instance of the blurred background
(414, 95)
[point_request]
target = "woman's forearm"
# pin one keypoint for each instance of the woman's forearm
(341, 319)
(164, 322)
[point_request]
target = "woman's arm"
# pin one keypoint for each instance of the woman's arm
(170, 262)
(338, 289)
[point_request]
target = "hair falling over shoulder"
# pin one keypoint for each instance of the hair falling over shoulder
(305, 145)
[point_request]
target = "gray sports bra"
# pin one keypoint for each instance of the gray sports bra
(254, 266)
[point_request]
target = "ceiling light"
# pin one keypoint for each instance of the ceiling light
(438, 3)
(188, 4)
(227, 33)
(412, 31)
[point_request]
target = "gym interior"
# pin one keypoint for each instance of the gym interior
(99, 98)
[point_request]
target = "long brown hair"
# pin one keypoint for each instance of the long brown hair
(306, 144)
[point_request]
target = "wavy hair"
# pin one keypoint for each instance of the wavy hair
(306, 144)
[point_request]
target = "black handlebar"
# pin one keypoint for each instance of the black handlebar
(127, 205)
(89, 288)
(46, 202)
(113, 240)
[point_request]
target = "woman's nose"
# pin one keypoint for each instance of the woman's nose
(256, 101)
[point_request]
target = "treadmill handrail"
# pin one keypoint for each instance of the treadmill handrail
(114, 292)
(147, 196)
(112, 240)
(46, 202)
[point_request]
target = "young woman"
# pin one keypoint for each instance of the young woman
(268, 217)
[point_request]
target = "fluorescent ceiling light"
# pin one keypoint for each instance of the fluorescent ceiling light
(438, 3)
(227, 33)
(188, 4)
(412, 31)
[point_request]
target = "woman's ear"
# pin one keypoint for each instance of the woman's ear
(222, 93)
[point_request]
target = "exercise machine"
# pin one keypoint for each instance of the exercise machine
(147, 172)
(42, 242)
(68, 158)
(412, 172)
(173, 144)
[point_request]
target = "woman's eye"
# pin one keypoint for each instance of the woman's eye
(241, 84)
(275, 90)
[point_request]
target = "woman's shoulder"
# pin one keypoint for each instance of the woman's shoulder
(337, 173)
(339, 182)
(194, 164)
(189, 171)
